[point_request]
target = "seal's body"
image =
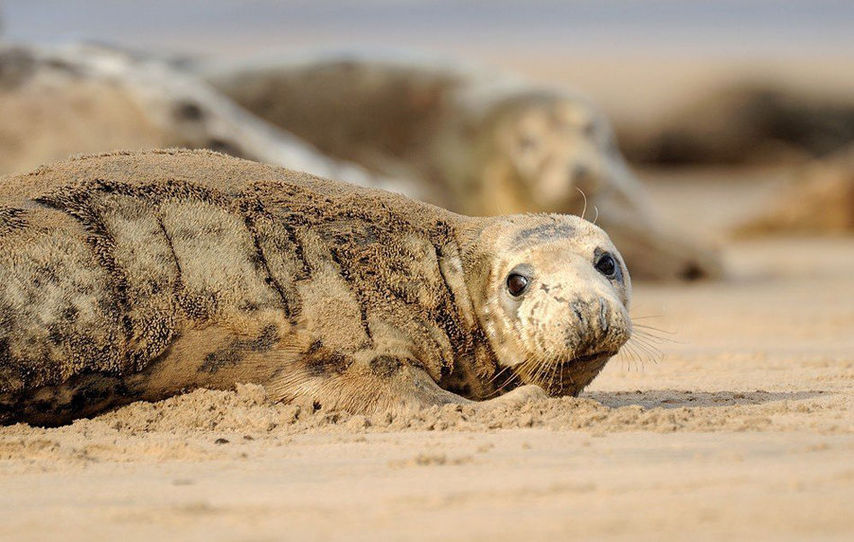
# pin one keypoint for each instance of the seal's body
(138, 276)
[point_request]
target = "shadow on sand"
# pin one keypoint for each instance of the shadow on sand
(677, 398)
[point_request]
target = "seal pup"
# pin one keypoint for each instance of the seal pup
(141, 275)
(477, 143)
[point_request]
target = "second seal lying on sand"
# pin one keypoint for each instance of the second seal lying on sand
(476, 143)
(138, 276)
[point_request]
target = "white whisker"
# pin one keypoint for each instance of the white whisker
(583, 195)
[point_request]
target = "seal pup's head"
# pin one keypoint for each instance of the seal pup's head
(552, 295)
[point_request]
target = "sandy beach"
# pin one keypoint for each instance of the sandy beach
(740, 425)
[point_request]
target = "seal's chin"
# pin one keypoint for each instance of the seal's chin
(573, 375)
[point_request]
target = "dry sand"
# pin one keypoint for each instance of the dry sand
(742, 427)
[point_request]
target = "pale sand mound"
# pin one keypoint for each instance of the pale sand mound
(743, 428)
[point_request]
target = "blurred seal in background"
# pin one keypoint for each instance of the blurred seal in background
(475, 142)
(87, 98)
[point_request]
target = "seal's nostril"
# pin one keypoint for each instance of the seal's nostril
(577, 310)
(603, 316)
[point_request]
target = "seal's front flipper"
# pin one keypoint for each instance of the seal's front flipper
(363, 383)
(515, 398)
(379, 383)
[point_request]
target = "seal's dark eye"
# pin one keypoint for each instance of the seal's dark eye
(606, 265)
(517, 284)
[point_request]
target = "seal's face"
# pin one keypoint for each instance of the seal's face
(552, 295)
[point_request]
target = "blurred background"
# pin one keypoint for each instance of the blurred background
(722, 108)
(638, 58)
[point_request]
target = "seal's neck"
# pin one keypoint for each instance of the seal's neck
(476, 362)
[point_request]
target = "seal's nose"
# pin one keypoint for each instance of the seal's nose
(596, 325)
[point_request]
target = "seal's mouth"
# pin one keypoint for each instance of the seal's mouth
(566, 377)
(594, 357)
(575, 374)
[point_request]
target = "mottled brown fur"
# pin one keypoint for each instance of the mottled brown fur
(140, 275)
